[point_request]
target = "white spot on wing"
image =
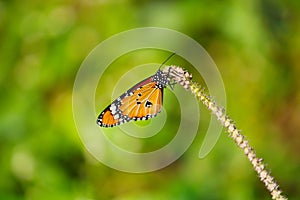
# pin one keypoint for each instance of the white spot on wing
(117, 116)
(113, 108)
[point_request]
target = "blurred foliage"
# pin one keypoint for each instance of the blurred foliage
(255, 45)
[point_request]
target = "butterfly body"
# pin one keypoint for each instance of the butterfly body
(141, 102)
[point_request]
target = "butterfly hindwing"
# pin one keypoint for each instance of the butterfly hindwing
(141, 102)
(145, 102)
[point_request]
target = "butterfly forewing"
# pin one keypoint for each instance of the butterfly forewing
(108, 118)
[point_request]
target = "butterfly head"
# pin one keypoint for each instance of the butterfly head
(162, 79)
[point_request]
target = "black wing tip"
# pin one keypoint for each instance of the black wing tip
(99, 121)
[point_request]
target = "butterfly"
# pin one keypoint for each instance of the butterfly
(141, 102)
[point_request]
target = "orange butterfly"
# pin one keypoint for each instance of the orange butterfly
(141, 102)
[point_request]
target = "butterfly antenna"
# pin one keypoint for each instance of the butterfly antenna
(167, 60)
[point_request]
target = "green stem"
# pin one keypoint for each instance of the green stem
(183, 78)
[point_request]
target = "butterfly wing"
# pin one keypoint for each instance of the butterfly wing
(141, 102)
(145, 102)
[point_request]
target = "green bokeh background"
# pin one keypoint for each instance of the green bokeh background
(256, 46)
